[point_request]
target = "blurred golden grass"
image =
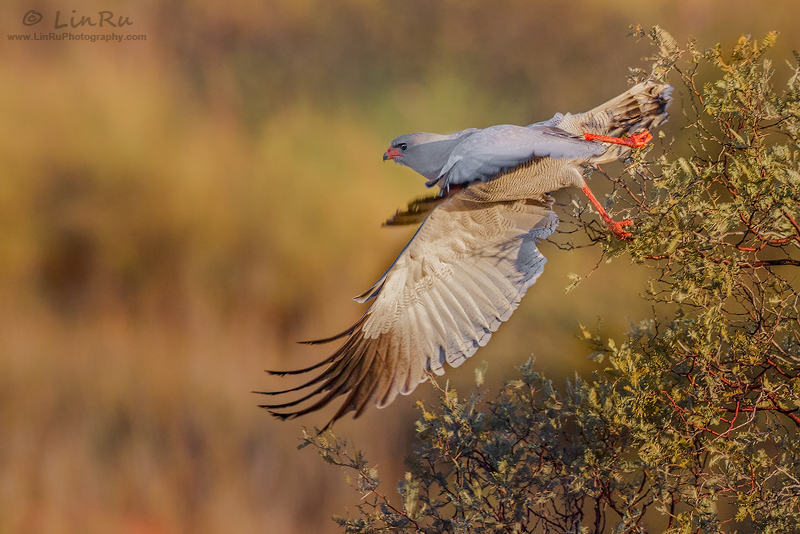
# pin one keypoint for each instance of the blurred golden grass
(156, 260)
(176, 214)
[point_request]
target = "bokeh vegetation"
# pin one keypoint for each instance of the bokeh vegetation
(176, 212)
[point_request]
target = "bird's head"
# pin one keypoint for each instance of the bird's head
(404, 146)
(424, 152)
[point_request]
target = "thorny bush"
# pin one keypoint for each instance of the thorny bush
(692, 426)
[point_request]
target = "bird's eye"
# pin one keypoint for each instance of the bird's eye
(402, 146)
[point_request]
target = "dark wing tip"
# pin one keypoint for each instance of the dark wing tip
(278, 373)
(340, 335)
(297, 371)
(279, 415)
(335, 337)
(288, 416)
(344, 374)
(417, 210)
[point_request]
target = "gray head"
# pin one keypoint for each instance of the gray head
(424, 152)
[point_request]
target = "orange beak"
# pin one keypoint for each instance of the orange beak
(392, 153)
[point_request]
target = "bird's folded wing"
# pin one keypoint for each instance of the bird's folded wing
(492, 151)
(462, 274)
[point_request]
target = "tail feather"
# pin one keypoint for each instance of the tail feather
(642, 107)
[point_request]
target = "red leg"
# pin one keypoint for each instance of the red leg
(636, 140)
(614, 226)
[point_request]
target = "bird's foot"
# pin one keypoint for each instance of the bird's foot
(636, 140)
(617, 229)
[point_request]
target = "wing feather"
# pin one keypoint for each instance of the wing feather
(459, 278)
(464, 333)
(481, 305)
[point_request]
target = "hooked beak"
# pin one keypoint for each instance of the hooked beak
(392, 153)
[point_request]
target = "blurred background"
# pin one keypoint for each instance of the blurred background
(176, 212)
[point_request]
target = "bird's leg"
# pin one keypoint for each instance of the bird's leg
(614, 226)
(636, 140)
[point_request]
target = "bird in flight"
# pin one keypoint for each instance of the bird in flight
(474, 255)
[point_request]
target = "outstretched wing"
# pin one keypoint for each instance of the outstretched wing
(494, 150)
(463, 273)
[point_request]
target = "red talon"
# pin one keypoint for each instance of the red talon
(641, 139)
(616, 229)
(636, 140)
